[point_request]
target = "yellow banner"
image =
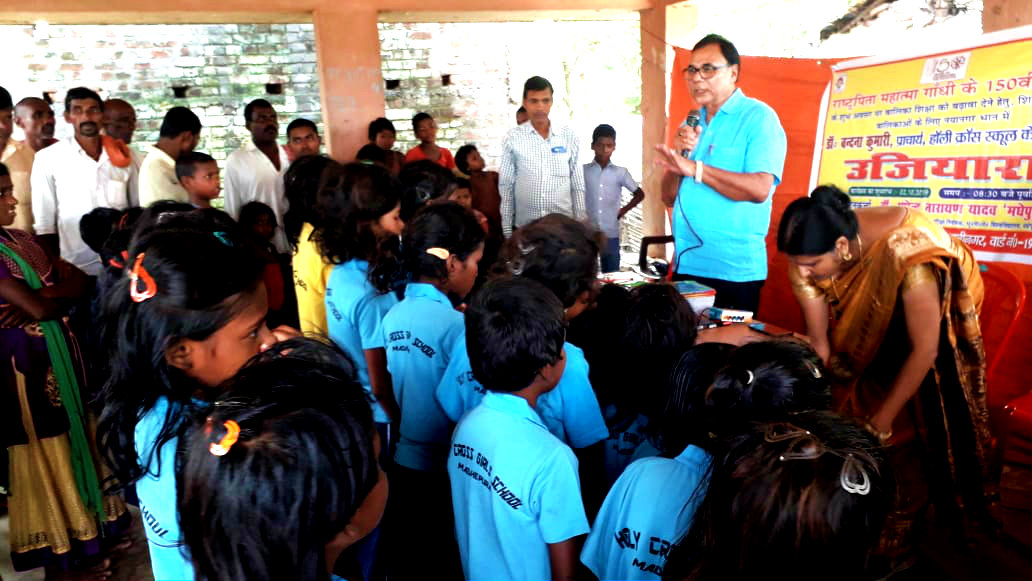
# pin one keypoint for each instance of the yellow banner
(949, 134)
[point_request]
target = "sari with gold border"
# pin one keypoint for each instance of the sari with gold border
(941, 441)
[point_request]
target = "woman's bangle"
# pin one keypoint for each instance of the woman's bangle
(883, 437)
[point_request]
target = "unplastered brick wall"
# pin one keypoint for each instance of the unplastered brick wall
(470, 77)
(223, 66)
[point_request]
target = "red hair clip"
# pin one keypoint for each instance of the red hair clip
(221, 448)
(138, 274)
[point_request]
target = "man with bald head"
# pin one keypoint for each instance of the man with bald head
(18, 158)
(36, 120)
(120, 123)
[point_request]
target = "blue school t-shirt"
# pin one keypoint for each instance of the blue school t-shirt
(515, 490)
(570, 411)
(354, 315)
(420, 334)
(646, 512)
(156, 490)
(715, 236)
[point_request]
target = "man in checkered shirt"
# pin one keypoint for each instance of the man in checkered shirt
(539, 174)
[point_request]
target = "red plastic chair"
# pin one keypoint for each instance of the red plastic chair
(1002, 308)
(1010, 411)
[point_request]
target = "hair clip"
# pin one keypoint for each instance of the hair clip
(751, 377)
(138, 274)
(439, 252)
(115, 262)
(816, 371)
(516, 266)
(221, 448)
(854, 478)
(525, 249)
(222, 237)
(803, 445)
(424, 191)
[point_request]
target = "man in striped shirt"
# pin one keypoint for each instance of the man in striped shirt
(539, 172)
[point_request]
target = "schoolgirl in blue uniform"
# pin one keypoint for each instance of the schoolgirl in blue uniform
(178, 327)
(562, 254)
(359, 207)
(249, 510)
(441, 247)
(717, 391)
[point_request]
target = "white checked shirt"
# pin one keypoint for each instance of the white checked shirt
(66, 184)
(539, 176)
(250, 177)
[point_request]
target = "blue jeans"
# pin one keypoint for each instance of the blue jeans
(610, 255)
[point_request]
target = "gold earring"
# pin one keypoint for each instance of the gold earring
(846, 256)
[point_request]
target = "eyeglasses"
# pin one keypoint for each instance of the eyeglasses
(706, 71)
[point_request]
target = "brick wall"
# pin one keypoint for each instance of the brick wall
(224, 65)
(470, 76)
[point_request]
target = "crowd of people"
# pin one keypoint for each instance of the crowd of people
(405, 365)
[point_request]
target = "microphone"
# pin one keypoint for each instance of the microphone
(691, 122)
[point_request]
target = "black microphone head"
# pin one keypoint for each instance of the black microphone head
(692, 120)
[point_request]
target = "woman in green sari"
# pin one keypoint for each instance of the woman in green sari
(57, 512)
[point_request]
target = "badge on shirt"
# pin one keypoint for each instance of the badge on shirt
(559, 149)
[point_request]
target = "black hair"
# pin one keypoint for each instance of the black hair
(685, 420)
(255, 104)
(5, 99)
(186, 164)
(460, 157)
(179, 120)
(380, 124)
(514, 327)
(603, 130)
(767, 380)
(96, 226)
(448, 226)
(726, 48)
(251, 211)
(557, 251)
(351, 197)
(301, 122)
(4, 171)
(302, 465)
(804, 500)
(660, 325)
(536, 84)
(300, 188)
(463, 184)
(371, 152)
(421, 116)
(522, 109)
(204, 278)
(79, 93)
(811, 225)
(598, 332)
(421, 182)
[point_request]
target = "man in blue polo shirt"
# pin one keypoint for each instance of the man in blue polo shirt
(515, 490)
(721, 194)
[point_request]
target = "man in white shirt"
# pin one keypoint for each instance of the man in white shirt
(76, 175)
(179, 134)
(36, 120)
(255, 171)
(539, 172)
(18, 159)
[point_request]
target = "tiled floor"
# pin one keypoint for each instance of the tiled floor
(130, 565)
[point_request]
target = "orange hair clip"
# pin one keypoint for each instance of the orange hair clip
(137, 274)
(221, 448)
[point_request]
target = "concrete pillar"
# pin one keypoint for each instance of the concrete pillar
(347, 46)
(653, 114)
(1003, 14)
